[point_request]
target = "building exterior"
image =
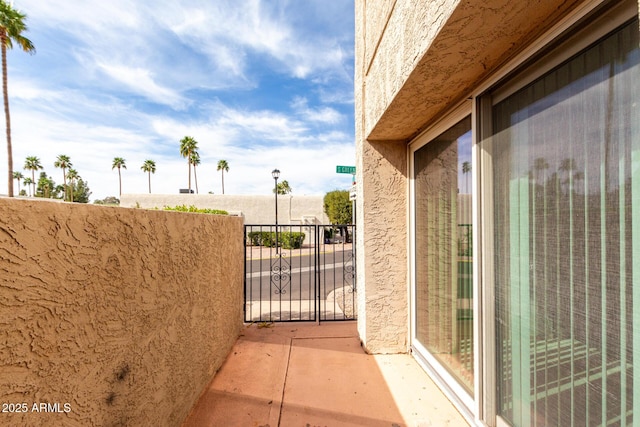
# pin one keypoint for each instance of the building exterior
(498, 173)
(294, 210)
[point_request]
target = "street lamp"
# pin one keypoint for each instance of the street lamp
(276, 174)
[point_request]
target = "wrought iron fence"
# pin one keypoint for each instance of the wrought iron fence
(299, 273)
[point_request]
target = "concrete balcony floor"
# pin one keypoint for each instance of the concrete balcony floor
(304, 374)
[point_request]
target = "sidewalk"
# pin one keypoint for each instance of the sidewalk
(304, 374)
(265, 252)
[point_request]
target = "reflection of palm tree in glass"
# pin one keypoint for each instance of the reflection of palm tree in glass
(567, 166)
(466, 168)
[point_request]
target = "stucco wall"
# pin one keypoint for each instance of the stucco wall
(420, 57)
(255, 209)
(123, 314)
(414, 60)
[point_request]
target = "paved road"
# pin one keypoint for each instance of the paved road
(293, 277)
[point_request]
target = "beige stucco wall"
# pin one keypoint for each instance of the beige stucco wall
(421, 57)
(255, 209)
(123, 314)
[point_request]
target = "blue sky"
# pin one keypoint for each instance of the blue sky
(261, 84)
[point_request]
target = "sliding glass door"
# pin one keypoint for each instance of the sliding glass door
(566, 221)
(443, 306)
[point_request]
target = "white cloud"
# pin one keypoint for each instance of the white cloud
(130, 78)
(322, 115)
(142, 82)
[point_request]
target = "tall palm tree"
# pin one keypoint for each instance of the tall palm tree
(120, 163)
(72, 175)
(195, 161)
(17, 175)
(28, 181)
(12, 25)
(63, 162)
(224, 167)
(187, 145)
(32, 163)
(149, 166)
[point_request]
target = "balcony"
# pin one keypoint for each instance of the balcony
(297, 374)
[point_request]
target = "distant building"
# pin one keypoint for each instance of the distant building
(255, 209)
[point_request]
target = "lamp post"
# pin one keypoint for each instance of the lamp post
(276, 174)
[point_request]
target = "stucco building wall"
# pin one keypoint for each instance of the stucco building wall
(414, 61)
(255, 209)
(124, 315)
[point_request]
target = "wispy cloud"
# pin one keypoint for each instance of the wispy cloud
(261, 84)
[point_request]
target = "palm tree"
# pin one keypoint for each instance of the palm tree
(224, 167)
(12, 26)
(120, 163)
(466, 168)
(188, 145)
(195, 161)
(149, 166)
(17, 175)
(28, 181)
(63, 162)
(32, 163)
(283, 188)
(72, 175)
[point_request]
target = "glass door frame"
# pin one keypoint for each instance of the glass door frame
(466, 403)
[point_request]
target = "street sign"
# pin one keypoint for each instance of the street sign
(346, 169)
(352, 193)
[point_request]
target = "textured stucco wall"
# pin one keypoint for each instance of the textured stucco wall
(382, 248)
(123, 314)
(428, 55)
(414, 60)
(255, 209)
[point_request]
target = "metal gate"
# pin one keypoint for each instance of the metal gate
(299, 273)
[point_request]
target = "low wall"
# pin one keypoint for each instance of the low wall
(112, 316)
(255, 209)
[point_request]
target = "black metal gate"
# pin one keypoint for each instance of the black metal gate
(299, 273)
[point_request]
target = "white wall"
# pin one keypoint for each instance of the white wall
(255, 209)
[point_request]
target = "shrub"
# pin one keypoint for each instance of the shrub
(286, 239)
(262, 238)
(291, 240)
(193, 209)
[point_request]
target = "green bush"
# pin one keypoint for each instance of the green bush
(193, 209)
(291, 240)
(262, 238)
(286, 239)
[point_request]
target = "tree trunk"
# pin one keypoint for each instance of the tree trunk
(120, 180)
(195, 177)
(222, 181)
(189, 162)
(5, 93)
(149, 182)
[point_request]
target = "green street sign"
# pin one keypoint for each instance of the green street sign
(346, 169)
